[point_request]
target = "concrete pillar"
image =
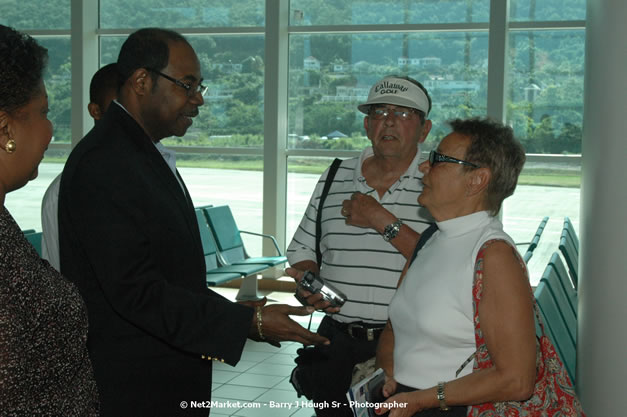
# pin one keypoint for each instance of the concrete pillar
(602, 333)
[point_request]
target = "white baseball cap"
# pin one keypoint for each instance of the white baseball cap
(396, 91)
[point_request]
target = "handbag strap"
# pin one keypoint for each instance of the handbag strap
(424, 236)
(478, 268)
(325, 190)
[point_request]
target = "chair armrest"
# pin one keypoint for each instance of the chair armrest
(276, 245)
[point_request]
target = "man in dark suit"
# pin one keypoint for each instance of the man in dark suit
(130, 241)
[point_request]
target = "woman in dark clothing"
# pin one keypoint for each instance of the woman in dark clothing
(44, 364)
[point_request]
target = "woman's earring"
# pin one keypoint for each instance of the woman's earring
(10, 146)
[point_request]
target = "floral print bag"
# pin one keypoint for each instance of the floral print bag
(553, 394)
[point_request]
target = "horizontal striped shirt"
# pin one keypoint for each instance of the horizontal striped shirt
(358, 261)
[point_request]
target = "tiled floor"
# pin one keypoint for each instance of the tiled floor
(259, 386)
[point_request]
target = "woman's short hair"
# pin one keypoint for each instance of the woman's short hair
(22, 63)
(493, 146)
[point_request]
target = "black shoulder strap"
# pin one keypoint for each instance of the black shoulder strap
(424, 236)
(327, 184)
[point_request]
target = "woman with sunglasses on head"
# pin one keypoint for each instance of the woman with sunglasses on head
(466, 296)
(44, 364)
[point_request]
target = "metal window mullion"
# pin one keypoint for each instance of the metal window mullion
(275, 122)
(497, 58)
(85, 59)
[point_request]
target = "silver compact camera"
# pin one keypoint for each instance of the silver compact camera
(314, 284)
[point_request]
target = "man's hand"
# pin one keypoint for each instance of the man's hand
(364, 211)
(314, 300)
(389, 387)
(405, 404)
(277, 326)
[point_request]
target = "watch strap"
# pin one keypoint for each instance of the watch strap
(442, 397)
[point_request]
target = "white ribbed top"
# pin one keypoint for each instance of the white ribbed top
(432, 313)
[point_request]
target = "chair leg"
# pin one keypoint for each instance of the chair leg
(248, 291)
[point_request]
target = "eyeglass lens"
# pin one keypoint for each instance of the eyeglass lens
(382, 113)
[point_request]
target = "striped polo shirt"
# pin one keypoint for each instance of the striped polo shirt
(357, 260)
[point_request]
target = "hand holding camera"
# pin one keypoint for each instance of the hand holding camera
(313, 290)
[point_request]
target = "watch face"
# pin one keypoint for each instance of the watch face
(391, 230)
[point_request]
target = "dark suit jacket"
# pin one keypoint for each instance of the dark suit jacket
(129, 240)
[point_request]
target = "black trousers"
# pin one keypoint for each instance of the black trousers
(333, 370)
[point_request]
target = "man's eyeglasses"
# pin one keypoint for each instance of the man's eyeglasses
(189, 88)
(435, 157)
(380, 113)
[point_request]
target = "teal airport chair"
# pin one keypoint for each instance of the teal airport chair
(535, 240)
(35, 239)
(556, 328)
(567, 285)
(566, 312)
(229, 241)
(231, 250)
(216, 274)
(569, 246)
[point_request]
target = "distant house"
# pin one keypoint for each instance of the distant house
(336, 134)
(426, 62)
(345, 94)
(311, 63)
(218, 93)
(340, 67)
(429, 62)
(451, 86)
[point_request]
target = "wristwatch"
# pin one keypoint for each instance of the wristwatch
(391, 230)
(441, 397)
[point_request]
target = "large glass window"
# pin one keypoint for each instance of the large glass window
(545, 108)
(337, 50)
(188, 14)
(232, 117)
(331, 74)
(233, 69)
(233, 180)
(545, 104)
(547, 10)
(58, 80)
(381, 12)
(36, 15)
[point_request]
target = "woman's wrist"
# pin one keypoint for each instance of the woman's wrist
(441, 396)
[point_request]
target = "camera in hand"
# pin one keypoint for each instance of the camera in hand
(314, 284)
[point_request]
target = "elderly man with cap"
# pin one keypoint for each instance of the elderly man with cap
(369, 225)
